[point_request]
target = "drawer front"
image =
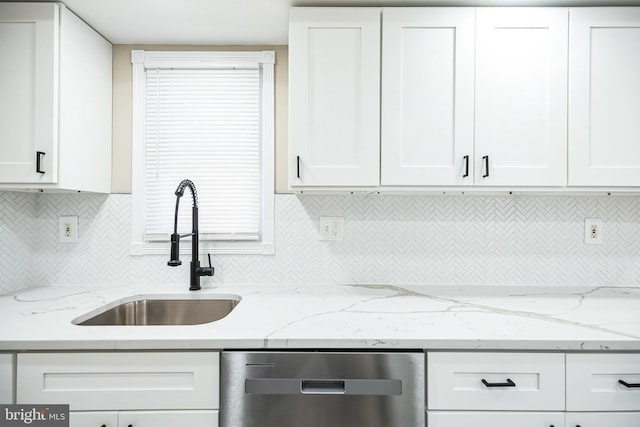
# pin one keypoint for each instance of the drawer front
(495, 381)
(114, 381)
(593, 382)
(495, 419)
(6, 378)
(603, 419)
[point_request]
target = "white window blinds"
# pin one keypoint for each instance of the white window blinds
(203, 125)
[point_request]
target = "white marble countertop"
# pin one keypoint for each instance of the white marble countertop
(339, 317)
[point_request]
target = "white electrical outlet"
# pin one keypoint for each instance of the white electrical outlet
(68, 229)
(331, 228)
(593, 231)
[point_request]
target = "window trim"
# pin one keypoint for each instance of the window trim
(142, 60)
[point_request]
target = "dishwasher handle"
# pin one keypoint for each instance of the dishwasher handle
(322, 387)
(299, 386)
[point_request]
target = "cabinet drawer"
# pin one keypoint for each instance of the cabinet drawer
(495, 419)
(603, 419)
(593, 382)
(113, 381)
(495, 381)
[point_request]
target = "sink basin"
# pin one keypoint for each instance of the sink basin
(160, 310)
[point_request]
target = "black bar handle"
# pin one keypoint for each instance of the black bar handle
(39, 155)
(466, 166)
(629, 385)
(486, 166)
(298, 167)
(509, 383)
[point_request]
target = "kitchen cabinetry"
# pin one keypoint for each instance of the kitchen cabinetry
(604, 106)
(606, 383)
(427, 93)
(603, 419)
(521, 96)
(435, 63)
(495, 389)
(334, 100)
(55, 112)
(496, 419)
(495, 381)
(125, 388)
(144, 419)
(7, 369)
(528, 389)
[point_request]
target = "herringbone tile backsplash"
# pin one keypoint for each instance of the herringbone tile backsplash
(446, 240)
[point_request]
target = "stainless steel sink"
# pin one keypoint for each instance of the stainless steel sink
(154, 310)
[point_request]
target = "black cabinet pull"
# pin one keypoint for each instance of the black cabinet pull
(466, 166)
(509, 383)
(39, 155)
(103, 425)
(298, 167)
(629, 385)
(485, 159)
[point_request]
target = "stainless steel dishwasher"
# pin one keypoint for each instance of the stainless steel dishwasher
(322, 389)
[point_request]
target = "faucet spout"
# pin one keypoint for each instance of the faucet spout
(196, 270)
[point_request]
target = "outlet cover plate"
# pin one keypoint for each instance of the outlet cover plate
(68, 229)
(593, 231)
(331, 228)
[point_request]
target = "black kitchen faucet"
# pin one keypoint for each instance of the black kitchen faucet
(196, 270)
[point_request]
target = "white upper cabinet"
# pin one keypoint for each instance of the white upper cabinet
(334, 97)
(521, 97)
(55, 109)
(604, 97)
(427, 93)
(28, 84)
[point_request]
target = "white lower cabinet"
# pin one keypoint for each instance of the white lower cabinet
(144, 419)
(603, 382)
(7, 369)
(495, 419)
(129, 389)
(495, 381)
(603, 419)
(93, 419)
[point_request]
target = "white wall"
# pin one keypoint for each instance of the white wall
(450, 240)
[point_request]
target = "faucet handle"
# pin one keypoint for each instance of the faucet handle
(206, 271)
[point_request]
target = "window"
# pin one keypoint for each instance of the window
(207, 117)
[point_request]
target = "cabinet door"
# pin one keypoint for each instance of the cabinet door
(168, 419)
(521, 96)
(603, 419)
(334, 97)
(28, 84)
(604, 101)
(495, 419)
(7, 367)
(93, 419)
(427, 96)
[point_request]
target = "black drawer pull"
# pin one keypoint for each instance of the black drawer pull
(629, 385)
(509, 383)
(39, 155)
(298, 167)
(466, 166)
